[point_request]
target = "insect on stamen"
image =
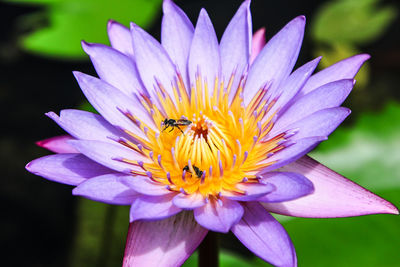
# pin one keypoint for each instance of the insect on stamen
(175, 123)
(198, 172)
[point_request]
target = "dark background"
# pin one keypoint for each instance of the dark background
(38, 217)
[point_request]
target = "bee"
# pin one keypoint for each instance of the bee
(175, 123)
(198, 172)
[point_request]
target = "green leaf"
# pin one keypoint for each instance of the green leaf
(100, 234)
(192, 261)
(368, 152)
(337, 51)
(71, 21)
(359, 241)
(352, 21)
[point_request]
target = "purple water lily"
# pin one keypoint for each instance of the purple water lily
(200, 135)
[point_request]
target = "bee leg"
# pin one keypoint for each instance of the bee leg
(172, 128)
(180, 129)
(166, 126)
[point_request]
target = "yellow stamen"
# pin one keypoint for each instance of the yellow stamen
(222, 143)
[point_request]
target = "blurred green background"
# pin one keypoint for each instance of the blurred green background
(44, 225)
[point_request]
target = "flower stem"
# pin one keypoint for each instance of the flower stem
(208, 250)
(109, 224)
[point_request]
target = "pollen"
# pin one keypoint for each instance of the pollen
(212, 143)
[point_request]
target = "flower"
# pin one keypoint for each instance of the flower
(198, 135)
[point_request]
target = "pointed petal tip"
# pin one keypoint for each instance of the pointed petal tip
(81, 77)
(261, 31)
(301, 18)
(135, 29)
(203, 15)
(78, 192)
(40, 143)
(379, 205)
(387, 208)
(314, 62)
(168, 6)
(246, 4)
(86, 46)
(28, 166)
(90, 48)
(77, 74)
(299, 21)
(51, 115)
(111, 23)
(133, 26)
(75, 191)
(363, 56)
(347, 111)
(317, 59)
(393, 210)
(57, 144)
(32, 167)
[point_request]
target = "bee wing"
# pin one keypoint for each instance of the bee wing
(183, 122)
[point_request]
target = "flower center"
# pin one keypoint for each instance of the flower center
(205, 143)
(200, 127)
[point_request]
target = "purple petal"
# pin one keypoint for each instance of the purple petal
(253, 191)
(86, 125)
(204, 52)
(153, 207)
(109, 102)
(145, 186)
(70, 169)
(120, 38)
(291, 86)
(107, 189)
(345, 69)
(334, 195)
(289, 186)
(264, 236)
(292, 152)
(257, 44)
(110, 155)
(114, 68)
(177, 42)
(235, 46)
(167, 242)
(276, 60)
(153, 62)
(320, 123)
(58, 144)
(219, 216)
(327, 96)
(191, 201)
